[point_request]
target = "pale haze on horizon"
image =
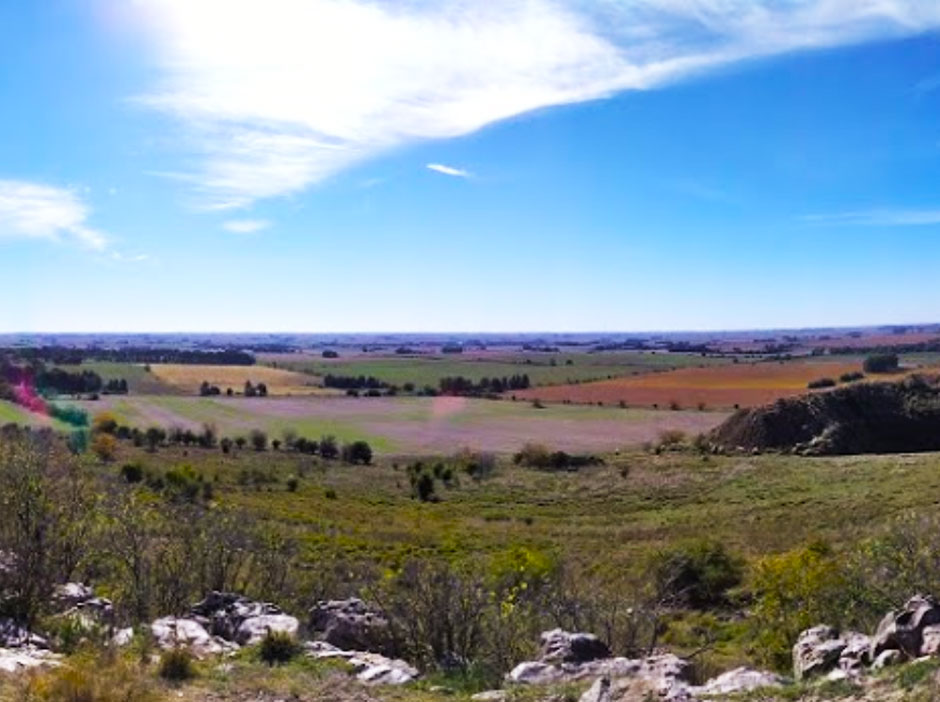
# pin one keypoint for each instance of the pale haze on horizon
(345, 165)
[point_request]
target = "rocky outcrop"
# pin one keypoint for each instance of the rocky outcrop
(14, 660)
(179, 632)
(739, 680)
(78, 602)
(352, 625)
(238, 619)
(904, 630)
(861, 418)
(909, 633)
(559, 646)
(568, 657)
(817, 651)
(370, 668)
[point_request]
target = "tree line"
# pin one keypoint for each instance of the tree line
(66, 355)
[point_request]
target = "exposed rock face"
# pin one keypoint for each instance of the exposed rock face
(370, 668)
(253, 630)
(175, 632)
(78, 602)
(856, 655)
(560, 646)
(860, 418)
(739, 680)
(14, 660)
(236, 618)
(904, 630)
(567, 657)
(12, 635)
(353, 625)
(817, 651)
(930, 643)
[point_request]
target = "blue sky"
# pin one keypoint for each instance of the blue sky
(326, 165)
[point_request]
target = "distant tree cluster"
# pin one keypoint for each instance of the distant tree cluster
(538, 456)
(63, 355)
(459, 385)
(329, 353)
(56, 381)
(354, 382)
(452, 348)
(259, 390)
(881, 363)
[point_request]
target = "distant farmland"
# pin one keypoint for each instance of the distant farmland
(187, 378)
(429, 369)
(743, 384)
(411, 424)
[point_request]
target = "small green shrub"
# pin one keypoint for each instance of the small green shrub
(132, 472)
(821, 383)
(698, 574)
(176, 665)
(278, 647)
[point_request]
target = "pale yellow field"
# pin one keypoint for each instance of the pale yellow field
(188, 378)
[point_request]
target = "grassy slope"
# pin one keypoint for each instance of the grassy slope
(755, 504)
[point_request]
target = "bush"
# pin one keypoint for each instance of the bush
(132, 472)
(259, 440)
(821, 383)
(176, 665)
(104, 447)
(881, 363)
(293, 483)
(792, 592)
(670, 438)
(328, 447)
(105, 423)
(357, 452)
(851, 377)
(697, 574)
(278, 647)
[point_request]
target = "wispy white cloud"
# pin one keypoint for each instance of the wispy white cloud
(878, 218)
(448, 170)
(36, 211)
(281, 94)
(245, 226)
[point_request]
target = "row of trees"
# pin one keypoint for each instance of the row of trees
(206, 389)
(66, 355)
(459, 385)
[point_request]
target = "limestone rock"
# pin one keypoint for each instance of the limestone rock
(739, 680)
(176, 632)
(559, 646)
(370, 668)
(817, 651)
(903, 630)
(252, 630)
(14, 660)
(351, 625)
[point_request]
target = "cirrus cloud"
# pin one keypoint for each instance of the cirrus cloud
(277, 95)
(36, 211)
(448, 170)
(245, 226)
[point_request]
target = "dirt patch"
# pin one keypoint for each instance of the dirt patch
(897, 417)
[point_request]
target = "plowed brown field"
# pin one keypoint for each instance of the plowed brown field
(742, 384)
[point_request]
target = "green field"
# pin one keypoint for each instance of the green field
(428, 370)
(10, 413)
